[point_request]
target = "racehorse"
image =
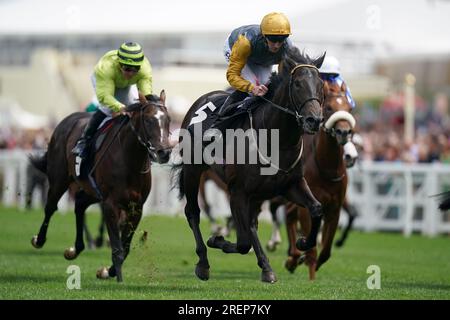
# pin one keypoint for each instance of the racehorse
(325, 171)
(296, 94)
(121, 173)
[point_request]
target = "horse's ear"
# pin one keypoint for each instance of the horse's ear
(318, 62)
(162, 97)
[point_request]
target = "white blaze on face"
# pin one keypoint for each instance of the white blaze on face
(158, 117)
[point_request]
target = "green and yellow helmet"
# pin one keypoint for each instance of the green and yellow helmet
(131, 53)
(275, 23)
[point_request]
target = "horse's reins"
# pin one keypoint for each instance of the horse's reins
(124, 120)
(148, 145)
(266, 161)
(295, 114)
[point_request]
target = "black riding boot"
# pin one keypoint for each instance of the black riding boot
(236, 96)
(88, 133)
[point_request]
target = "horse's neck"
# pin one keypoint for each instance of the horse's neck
(134, 153)
(289, 131)
(328, 153)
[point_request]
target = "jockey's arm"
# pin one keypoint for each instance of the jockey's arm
(239, 54)
(104, 90)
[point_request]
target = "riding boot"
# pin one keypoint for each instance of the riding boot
(88, 133)
(236, 96)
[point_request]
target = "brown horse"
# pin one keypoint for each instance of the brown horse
(325, 171)
(121, 172)
(296, 94)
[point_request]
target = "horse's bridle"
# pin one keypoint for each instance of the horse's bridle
(145, 141)
(332, 131)
(296, 113)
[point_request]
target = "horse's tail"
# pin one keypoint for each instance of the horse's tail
(177, 178)
(39, 162)
(444, 200)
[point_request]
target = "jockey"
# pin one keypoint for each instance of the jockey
(331, 71)
(250, 52)
(120, 78)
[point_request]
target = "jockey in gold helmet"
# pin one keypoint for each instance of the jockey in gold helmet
(120, 78)
(251, 51)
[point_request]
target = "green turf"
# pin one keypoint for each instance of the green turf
(163, 267)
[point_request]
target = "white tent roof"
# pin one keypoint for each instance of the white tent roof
(14, 116)
(152, 16)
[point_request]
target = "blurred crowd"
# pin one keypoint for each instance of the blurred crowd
(383, 136)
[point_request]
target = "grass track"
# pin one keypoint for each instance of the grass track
(162, 268)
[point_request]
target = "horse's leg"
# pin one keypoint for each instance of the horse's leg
(352, 214)
(111, 214)
(101, 232)
(134, 215)
(206, 206)
(240, 212)
(302, 196)
(82, 202)
(87, 233)
(331, 220)
(192, 175)
(291, 228)
(55, 192)
(310, 256)
(267, 274)
(275, 239)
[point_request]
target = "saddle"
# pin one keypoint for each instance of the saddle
(82, 168)
(210, 115)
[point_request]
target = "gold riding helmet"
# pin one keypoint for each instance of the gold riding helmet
(275, 23)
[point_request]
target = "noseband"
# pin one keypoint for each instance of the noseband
(328, 125)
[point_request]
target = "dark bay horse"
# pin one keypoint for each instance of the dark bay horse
(296, 94)
(123, 174)
(325, 171)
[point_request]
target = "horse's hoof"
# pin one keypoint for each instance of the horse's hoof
(268, 276)
(202, 273)
(35, 244)
(291, 264)
(213, 241)
(103, 273)
(339, 243)
(70, 253)
(271, 246)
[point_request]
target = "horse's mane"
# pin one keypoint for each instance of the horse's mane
(292, 57)
(138, 105)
